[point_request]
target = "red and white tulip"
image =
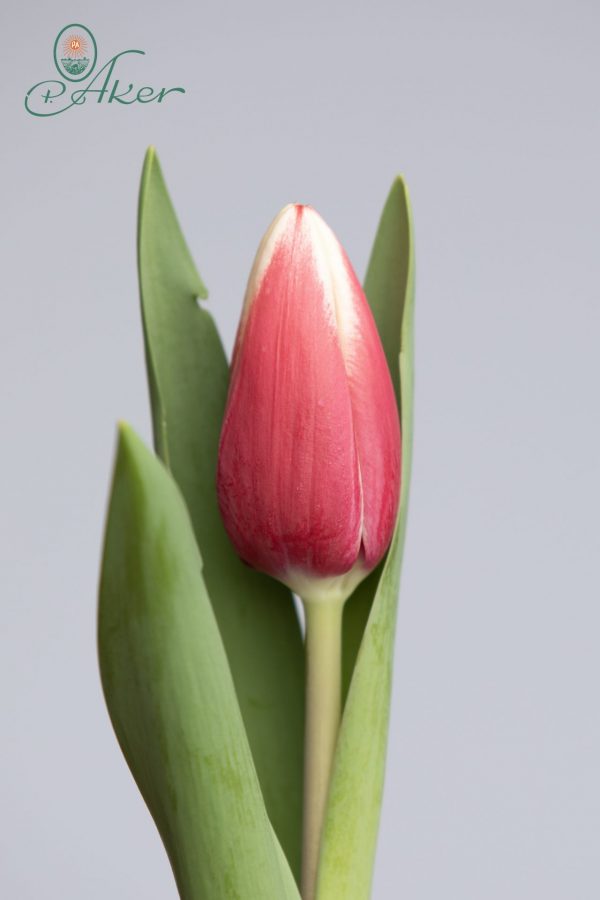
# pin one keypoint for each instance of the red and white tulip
(309, 457)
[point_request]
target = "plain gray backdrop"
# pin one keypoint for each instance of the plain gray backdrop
(490, 110)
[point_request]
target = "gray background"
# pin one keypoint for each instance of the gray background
(491, 112)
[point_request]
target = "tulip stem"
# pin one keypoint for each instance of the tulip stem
(323, 705)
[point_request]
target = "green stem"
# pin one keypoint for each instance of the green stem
(323, 703)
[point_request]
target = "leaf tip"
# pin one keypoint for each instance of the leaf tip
(129, 445)
(124, 431)
(399, 192)
(150, 169)
(151, 158)
(154, 204)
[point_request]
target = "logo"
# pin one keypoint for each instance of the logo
(75, 52)
(75, 58)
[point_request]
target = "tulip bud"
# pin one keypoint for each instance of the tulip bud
(309, 457)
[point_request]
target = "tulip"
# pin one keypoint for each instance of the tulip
(308, 473)
(309, 457)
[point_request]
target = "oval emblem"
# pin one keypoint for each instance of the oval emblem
(75, 52)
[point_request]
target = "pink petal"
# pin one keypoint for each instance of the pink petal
(289, 483)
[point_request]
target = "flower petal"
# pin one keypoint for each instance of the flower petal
(289, 482)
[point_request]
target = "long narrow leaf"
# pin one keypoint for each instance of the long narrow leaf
(171, 697)
(354, 801)
(388, 288)
(188, 376)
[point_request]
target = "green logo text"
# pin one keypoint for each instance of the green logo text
(75, 58)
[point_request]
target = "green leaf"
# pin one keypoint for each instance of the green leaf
(188, 377)
(352, 819)
(171, 697)
(388, 287)
(389, 282)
